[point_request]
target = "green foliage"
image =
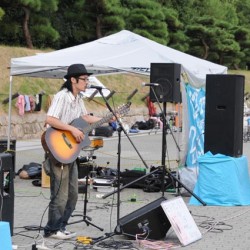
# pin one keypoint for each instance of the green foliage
(243, 10)
(10, 29)
(31, 4)
(22, 16)
(210, 29)
(147, 19)
(179, 41)
(44, 32)
(1, 13)
(95, 19)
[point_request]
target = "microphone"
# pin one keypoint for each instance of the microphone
(149, 84)
(90, 86)
(132, 94)
(93, 95)
(144, 97)
(110, 94)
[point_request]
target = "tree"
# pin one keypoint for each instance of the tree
(177, 37)
(225, 46)
(213, 40)
(243, 29)
(202, 33)
(94, 19)
(183, 8)
(146, 18)
(107, 15)
(30, 16)
(210, 31)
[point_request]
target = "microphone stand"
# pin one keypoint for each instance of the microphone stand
(119, 130)
(164, 149)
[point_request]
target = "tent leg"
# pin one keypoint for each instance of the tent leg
(9, 115)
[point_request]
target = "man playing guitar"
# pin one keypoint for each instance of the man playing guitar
(67, 105)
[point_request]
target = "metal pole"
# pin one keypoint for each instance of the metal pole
(9, 116)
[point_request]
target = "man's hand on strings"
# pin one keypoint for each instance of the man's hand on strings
(78, 134)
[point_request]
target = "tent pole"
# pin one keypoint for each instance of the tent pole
(9, 116)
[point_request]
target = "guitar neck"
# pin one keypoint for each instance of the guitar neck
(86, 130)
(122, 110)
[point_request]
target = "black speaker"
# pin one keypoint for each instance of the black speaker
(150, 218)
(3, 149)
(224, 114)
(7, 189)
(168, 76)
(84, 168)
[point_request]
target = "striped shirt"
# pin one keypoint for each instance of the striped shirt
(66, 107)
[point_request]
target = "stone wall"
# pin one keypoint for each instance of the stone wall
(31, 125)
(28, 126)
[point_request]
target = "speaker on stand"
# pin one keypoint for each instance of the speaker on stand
(167, 75)
(224, 112)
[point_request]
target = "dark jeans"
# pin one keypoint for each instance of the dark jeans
(64, 194)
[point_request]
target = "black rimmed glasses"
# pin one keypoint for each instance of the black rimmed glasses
(84, 79)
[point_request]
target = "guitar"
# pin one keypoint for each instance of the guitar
(62, 144)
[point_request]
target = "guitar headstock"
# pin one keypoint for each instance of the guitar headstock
(122, 110)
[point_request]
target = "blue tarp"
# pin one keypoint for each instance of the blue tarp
(222, 180)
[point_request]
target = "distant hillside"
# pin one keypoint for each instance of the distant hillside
(123, 84)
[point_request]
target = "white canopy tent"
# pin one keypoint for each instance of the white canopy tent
(120, 52)
(123, 51)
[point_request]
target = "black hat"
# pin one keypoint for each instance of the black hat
(76, 70)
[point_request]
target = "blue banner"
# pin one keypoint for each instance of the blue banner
(196, 117)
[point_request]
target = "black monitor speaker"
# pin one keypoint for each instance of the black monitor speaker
(7, 189)
(224, 114)
(148, 219)
(168, 76)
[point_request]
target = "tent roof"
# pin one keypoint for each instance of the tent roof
(123, 51)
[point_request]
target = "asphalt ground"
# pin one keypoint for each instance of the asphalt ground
(221, 227)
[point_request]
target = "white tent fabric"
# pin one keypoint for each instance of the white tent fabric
(123, 51)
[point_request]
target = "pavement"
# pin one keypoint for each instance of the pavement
(222, 227)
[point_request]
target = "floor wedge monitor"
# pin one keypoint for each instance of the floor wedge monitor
(224, 114)
(149, 220)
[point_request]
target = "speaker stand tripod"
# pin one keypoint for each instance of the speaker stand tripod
(166, 171)
(86, 218)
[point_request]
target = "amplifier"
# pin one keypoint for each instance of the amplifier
(3, 149)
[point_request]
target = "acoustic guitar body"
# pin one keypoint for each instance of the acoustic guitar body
(63, 145)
